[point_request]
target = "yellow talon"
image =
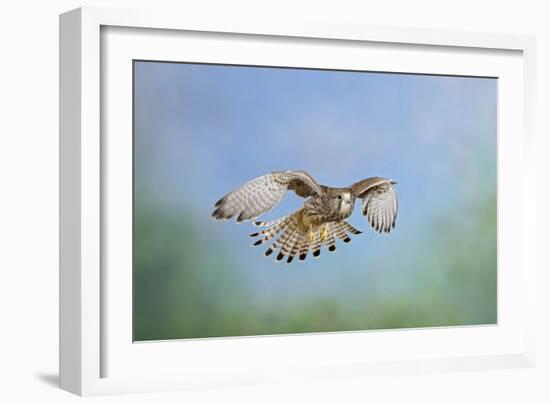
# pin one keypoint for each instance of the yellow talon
(310, 236)
(324, 233)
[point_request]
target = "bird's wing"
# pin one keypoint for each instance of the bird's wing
(262, 194)
(379, 202)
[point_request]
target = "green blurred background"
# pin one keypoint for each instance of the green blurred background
(200, 131)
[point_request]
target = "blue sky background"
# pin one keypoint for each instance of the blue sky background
(203, 130)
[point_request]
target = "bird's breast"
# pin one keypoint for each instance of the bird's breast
(313, 215)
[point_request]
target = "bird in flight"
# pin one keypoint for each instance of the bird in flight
(322, 218)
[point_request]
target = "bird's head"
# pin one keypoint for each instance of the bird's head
(340, 200)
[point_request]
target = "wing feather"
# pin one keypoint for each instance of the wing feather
(262, 194)
(379, 202)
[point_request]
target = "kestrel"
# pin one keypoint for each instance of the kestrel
(322, 217)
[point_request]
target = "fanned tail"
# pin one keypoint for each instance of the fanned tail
(292, 239)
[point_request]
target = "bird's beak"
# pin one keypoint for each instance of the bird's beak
(393, 182)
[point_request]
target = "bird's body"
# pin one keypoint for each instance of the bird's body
(334, 205)
(322, 218)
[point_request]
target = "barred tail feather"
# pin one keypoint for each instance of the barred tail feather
(298, 240)
(270, 223)
(351, 229)
(340, 231)
(284, 226)
(268, 233)
(330, 242)
(316, 245)
(291, 240)
(303, 248)
(284, 240)
(288, 226)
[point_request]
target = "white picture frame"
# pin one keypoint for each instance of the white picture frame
(96, 356)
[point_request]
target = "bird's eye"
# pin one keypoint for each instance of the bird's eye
(339, 197)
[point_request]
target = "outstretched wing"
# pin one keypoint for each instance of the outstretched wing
(262, 194)
(379, 202)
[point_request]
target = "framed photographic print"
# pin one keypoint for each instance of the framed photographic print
(374, 172)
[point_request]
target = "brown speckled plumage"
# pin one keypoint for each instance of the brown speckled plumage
(320, 221)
